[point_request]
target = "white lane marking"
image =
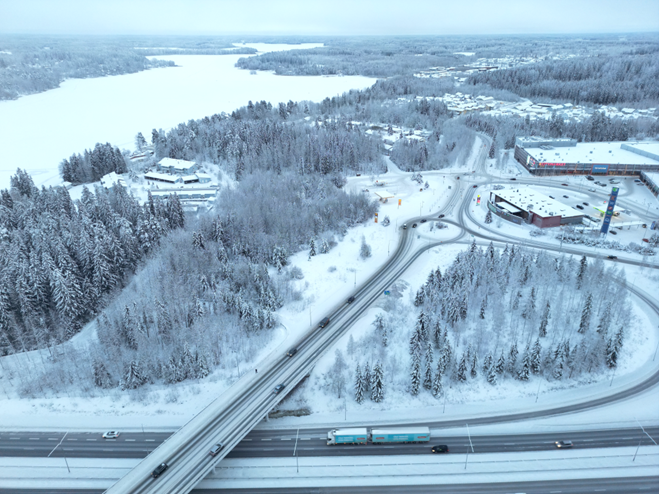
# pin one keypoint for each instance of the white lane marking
(599, 490)
(14, 438)
(289, 439)
(509, 444)
(149, 440)
(34, 439)
(246, 439)
(588, 440)
(305, 439)
(268, 449)
(71, 439)
(130, 440)
(29, 449)
(266, 439)
(554, 492)
(90, 439)
(52, 439)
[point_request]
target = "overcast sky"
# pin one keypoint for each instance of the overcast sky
(327, 17)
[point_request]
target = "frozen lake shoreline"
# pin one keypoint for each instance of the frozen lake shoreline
(38, 131)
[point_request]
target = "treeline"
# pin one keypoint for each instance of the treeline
(259, 138)
(601, 80)
(60, 259)
(93, 164)
(32, 64)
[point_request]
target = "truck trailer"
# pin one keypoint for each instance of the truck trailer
(401, 435)
(347, 436)
(378, 436)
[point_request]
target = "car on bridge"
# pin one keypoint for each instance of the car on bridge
(585, 204)
(160, 469)
(111, 435)
(613, 232)
(350, 299)
(216, 449)
(567, 197)
(291, 352)
(591, 190)
(564, 185)
(563, 444)
(513, 178)
(613, 258)
(278, 389)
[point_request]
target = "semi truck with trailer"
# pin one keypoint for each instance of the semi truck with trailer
(378, 436)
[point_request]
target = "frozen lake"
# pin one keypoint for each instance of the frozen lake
(38, 131)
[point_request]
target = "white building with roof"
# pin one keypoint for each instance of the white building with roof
(178, 167)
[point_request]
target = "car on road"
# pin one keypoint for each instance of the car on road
(613, 258)
(423, 220)
(404, 226)
(278, 389)
(552, 197)
(602, 185)
(563, 444)
(160, 469)
(513, 178)
(291, 352)
(440, 448)
(111, 435)
(216, 449)
(324, 322)
(592, 190)
(564, 185)
(567, 197)
(640, 183)
(457, 178)
(351, 299)
(579, 206)
(585, 204)
(441, 216)
(475, 186)
(414, 225)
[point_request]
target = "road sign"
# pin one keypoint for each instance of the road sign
(609, 210)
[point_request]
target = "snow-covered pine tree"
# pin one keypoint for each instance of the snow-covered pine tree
(487, 363)
(512, 358)
(492, 375)
(366, 376)
(584, 324)
(415, 375)
(545, 321)
(198, 240)
(558, 369)
(324, 246)
(488, 217)
(583, 264)
(611, 353)
(359, 386)
(482, 311)
(133, 377)
(416, 342)
(605, 321)
(474, 366)
(535, 357)
(524, 370)
(102, 378)
(377, 384)
(501, 364)
(312, 247)
(427, 380)
(365, 249)
(437, 388)
(462, 369)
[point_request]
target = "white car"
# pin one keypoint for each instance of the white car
(111, 435)
(592, 190)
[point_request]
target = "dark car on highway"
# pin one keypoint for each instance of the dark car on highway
(291, 352)
(159, 470)
(564, 185)
(324, 322)
(278, 388)
(513, 178)
(588, 177)
(585, 204)
(613, 258)
(351, 299)
(414, 225)
(563, 444)
(441, 448)
(216, 449)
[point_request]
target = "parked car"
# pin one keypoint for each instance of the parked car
(588, 177)
(111, 435)
(423, 220)
(457, 178)
(646, 240)
(278, 389)
(159, 470)
(602, 185)
(552, 197)
(441, 448)
(291, 352)
(613, 258)
(351, 299)
(216, 449)
(563, 444)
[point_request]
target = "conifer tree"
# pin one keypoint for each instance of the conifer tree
(584, 325)
(611, 354)
(583, 264)
(492, 376)
(312, 247)
(488, 217)
(462, 369)
(437, 388)
(558, 369)
(366, 376)
(545, 321)
(523, 372)
(501, 364)
(605, 321)
(415, 375)
(512, 358)
(377, 384)
(427, 380)
(535, 357)
(474, 366)
(359, 386)
(487, 363)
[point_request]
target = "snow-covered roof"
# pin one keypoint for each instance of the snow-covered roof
(593, 152)
(528, 199)
(189, 178)
(384, 194)
(162, 176)
(176, 164)
(111, 179)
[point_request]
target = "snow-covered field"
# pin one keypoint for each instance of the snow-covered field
(38, 131)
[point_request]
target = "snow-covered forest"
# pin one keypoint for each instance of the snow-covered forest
(491, 316)
(61, 260)
(93, 164)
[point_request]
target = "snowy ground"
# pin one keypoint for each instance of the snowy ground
(82, 112)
